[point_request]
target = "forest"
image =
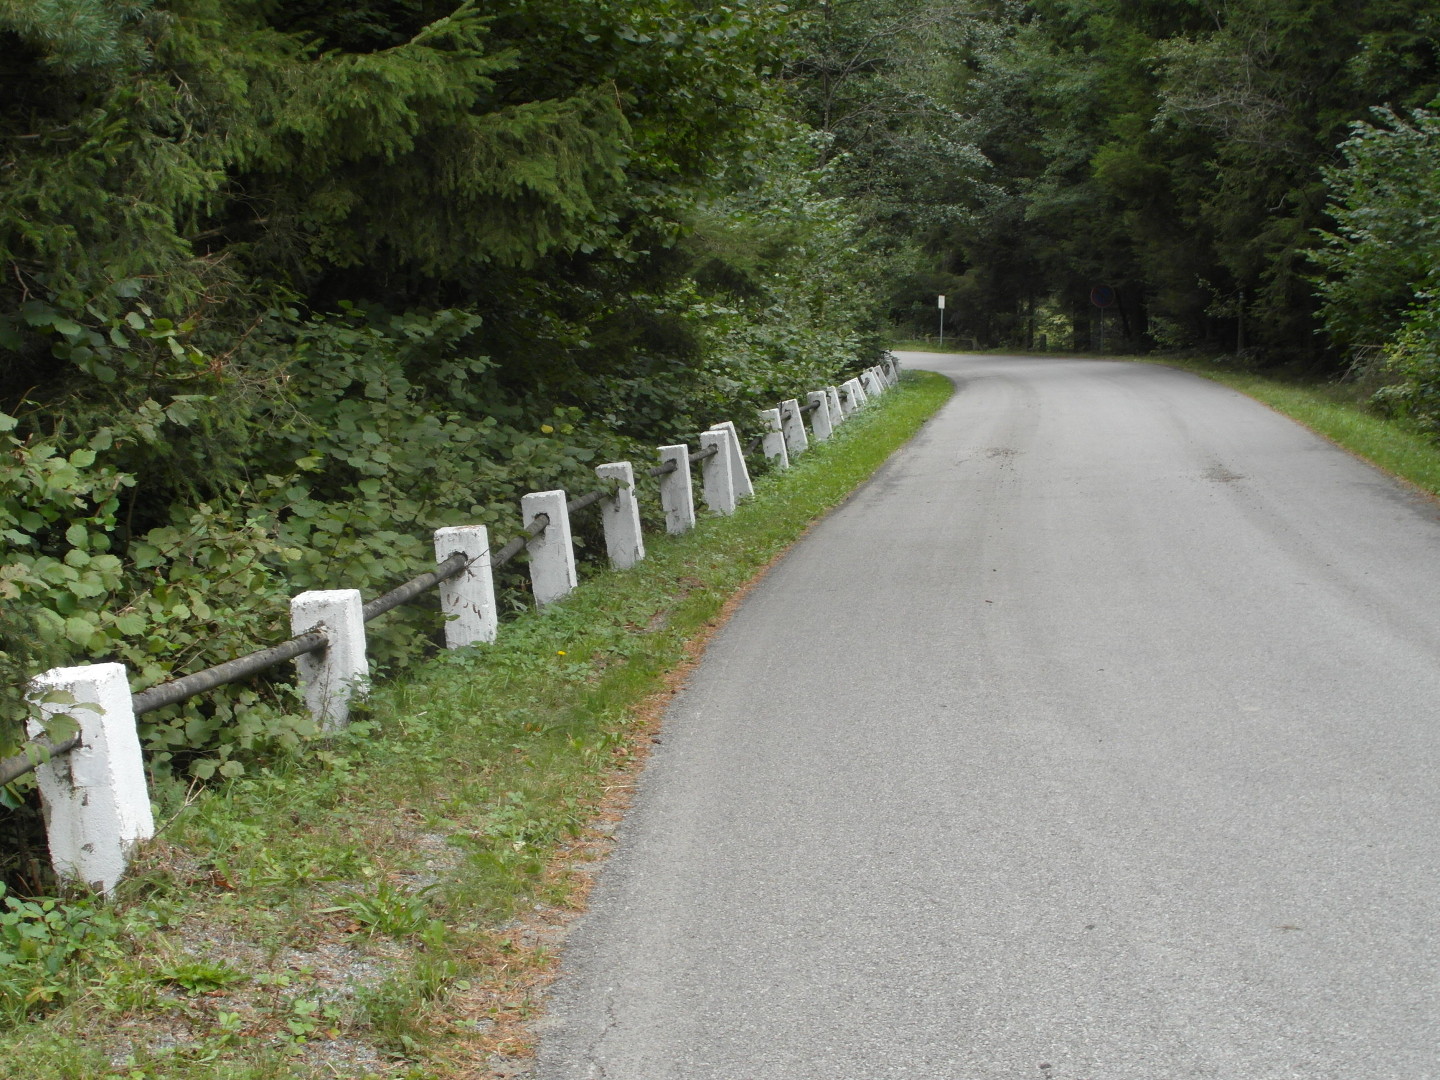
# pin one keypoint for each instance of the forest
(287, 285)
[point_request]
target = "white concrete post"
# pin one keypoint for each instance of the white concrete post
(837, 412)
(552, 553)
(871, 380)
(849, 398)
(677, 495)
(717, 473)
(773, 446)
(858, 389)
(820, 425)
(468, 599)
(620, 514)
(97, 804)
(331, 676)
(793, 421)
(739, 471)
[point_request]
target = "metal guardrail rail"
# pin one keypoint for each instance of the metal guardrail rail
(36, 752)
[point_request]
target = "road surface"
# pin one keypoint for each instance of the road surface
(1094, 739)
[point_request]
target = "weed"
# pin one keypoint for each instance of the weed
(308, 1016)
(200, 976)
(390, 909)
(41, 942)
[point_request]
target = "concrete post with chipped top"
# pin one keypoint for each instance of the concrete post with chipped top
(773, 444)
(739, 471)
(97, 801)
(677, 494)
(792, 421)
(820, 426)
(552, 553)
(468, 599)
(330, 677)
(717, 472)
(620, 516)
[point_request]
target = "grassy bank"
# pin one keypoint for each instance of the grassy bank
(926, 345)
(1338, 412)
(389, 905)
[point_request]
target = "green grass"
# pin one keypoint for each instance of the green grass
(928, 345)
(913, 345)
(957, 347)
(385, 905)
(1338, 412)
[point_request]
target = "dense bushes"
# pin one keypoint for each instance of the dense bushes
(1383, 260)
(286, 287)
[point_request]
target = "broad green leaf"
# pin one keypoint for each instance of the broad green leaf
(131, 623)
(79, 630)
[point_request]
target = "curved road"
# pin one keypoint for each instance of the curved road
(1096, 738)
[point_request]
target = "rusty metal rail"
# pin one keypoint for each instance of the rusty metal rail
(187, 686)
(33, 753)
(38, 751)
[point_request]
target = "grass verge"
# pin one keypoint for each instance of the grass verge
(924, 345)
(390, 905)
(1336, 411)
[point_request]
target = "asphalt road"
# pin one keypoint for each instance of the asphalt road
(1094, 739)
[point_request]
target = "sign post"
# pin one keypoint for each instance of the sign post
(1102, 296)
(942, 323)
